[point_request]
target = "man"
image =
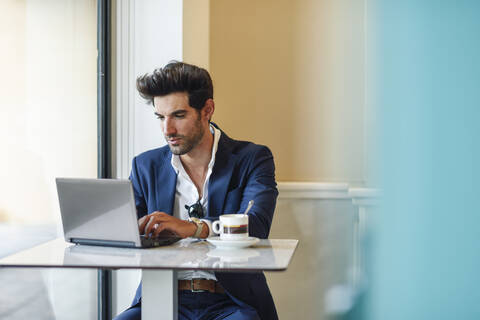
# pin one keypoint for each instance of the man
(204, 173)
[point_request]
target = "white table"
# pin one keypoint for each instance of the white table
(159, 265)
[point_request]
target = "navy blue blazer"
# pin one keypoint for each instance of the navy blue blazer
(242, 171)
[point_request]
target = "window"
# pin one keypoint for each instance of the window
(48, 119)
(48, 129)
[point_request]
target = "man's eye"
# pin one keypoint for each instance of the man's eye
(180, 116)
(160, 117)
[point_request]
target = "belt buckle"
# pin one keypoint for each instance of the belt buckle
(192, 287)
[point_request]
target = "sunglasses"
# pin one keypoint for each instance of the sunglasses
(195, 210)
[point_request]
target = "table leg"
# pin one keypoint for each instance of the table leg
(104, 295)
(159, 294)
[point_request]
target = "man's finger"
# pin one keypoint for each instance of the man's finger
(149, 225)
(158, 230)
(141, 223)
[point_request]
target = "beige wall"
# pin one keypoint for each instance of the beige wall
(289, 74)
(196, 32)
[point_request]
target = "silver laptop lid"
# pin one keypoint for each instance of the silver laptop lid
(98, 211)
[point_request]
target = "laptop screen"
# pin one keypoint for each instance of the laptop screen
(98, 210)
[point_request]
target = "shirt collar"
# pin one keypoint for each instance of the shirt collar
(177, 163)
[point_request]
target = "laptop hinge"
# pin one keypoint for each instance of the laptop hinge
(96, 242)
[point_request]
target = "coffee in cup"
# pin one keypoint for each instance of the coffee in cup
(232, 227)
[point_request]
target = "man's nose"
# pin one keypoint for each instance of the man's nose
(168, 127)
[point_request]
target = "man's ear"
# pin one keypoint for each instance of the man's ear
(208, 109)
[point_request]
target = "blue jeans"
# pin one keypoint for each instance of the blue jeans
(200, 306)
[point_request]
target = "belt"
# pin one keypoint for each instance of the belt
(200, 285)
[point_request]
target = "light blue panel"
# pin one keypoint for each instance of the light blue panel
(424, 247)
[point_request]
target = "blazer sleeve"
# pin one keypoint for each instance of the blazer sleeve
(138, 191)
(262, 188)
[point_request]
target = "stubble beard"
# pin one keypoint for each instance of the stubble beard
(188, 141)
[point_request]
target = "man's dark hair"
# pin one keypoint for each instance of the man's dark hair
(177, 77)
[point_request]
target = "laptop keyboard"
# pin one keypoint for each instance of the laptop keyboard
(157, 242)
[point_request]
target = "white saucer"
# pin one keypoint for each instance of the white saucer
(232, 244)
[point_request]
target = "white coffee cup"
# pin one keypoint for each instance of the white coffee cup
(232, 227)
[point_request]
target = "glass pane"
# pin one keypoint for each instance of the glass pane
(48, 129)
(48, 103)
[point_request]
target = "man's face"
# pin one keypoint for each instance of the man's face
(181, 124)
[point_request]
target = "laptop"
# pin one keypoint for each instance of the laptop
(102, 212)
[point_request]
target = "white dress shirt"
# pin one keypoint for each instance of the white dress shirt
(187, 194)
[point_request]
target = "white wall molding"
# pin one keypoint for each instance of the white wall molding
(328, 190)
(365, 199)
(365, 196)
(125, 86)
(313, 190)
(148, 34)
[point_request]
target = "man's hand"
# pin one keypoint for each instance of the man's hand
(157, 222)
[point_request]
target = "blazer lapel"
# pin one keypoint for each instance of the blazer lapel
(166, 183)
(220, 178)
